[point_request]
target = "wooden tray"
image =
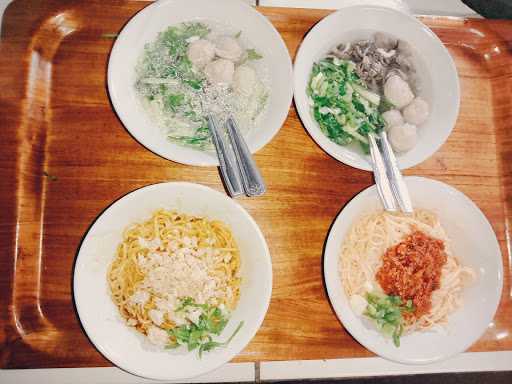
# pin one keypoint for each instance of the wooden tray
(64, 156)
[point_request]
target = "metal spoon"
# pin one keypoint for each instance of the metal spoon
(251, 177)
(227, 163)
(380, 175)
(396, 180)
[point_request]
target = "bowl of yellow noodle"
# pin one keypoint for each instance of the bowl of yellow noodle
(416, 288)
(172, 281)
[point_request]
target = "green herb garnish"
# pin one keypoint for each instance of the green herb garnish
(167, 79)
(199, 334)
(386, 312)
(253, 55)
(208, 346)
(172, 43)
(173, 101)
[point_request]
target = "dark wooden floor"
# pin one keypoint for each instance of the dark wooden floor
(491, 9)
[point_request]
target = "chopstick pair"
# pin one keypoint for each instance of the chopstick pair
(237, 166)
(389, 181)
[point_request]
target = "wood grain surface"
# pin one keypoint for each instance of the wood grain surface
(65, 156)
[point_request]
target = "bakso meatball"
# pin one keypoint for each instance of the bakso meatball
(244, 80)
(404, 48)
(228, 48)
(385, 41)
(200, 53)
(403, 137)
(416, 112)
(392, 117)
(220, 71)
(397, 91)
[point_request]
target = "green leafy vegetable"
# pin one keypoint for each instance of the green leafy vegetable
(170, 47)
(385, 105)
(386, 312)
(195, 29)
(358, 105)
(200, 139)
(168, 80)
(186, 302)
(253, 55)
(173, 101)
(208, 346)
(194, 83)
(198, 334)
(344, 109)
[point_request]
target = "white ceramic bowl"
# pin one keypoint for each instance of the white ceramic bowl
(145, 26)
(472, 240)
(100, 317)
(437, 76)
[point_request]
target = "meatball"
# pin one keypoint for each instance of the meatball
(220, 71)
(416, 112)
(200, 53)
(392, 117)
(403, 137)
(228, 48)
(244, 80)
(385, 41)
(397, 91)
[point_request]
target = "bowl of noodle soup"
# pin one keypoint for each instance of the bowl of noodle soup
(165, 260)
(363, 244)
(163, 99)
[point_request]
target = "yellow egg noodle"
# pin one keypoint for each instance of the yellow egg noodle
(167, 258)
(367, 241)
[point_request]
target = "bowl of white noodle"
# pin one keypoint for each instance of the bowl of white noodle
(463, 303)
(178, 61)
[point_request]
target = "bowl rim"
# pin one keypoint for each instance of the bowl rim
(123, 39)
(332, 278)
(315, 132)
(78, 291)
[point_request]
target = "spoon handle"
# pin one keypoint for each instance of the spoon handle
(227, 164)
(395, 176)
(251, 177)
(381, 177)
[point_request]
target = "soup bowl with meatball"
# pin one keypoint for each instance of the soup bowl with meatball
(177, 62)
(366, 69)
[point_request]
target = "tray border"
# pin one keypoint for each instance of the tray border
(484, 360)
